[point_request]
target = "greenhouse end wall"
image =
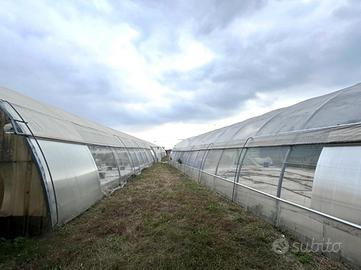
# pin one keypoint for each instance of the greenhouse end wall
(62, 180)
(23, 207)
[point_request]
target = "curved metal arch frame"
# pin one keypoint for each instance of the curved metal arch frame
(348, 223)
(140, 166)
(219, 161)
(154, 156)
(189, 157)
(240, 161)
(306, 121)
(128, 153)
(239, 165)
(145, 157)
(203, 160)
(38, 163)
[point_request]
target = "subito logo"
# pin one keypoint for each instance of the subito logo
(280, 246)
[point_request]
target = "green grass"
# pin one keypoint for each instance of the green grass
(160, 220)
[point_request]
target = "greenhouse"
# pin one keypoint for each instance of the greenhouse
(297, 167)
(55, 165)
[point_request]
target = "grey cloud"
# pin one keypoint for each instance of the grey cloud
(38, 65)
(292, 52)
(325, 54)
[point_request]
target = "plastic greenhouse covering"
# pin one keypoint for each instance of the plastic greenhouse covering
(52, 123)
(330, 118)
(297, 167)
(69, 163)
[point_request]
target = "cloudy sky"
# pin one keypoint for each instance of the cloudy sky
(167, 70)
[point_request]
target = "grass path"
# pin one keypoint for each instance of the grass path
(160, 220)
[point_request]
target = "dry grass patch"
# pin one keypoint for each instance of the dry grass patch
(160, 220)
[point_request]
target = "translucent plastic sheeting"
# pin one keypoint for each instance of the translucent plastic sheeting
(47, 180)
(52, 123)
(131, 158)
(191, 158)
(148, 156)
(333, 117)
(140, 157)
(309, 227)
(145, 153)
(186, 158)
(107, 166)
(151, 156)
(261, 168)
(210, 164)
(199, 159)
(159, 152)
(299, 173)
(123, 160)
(154, 158)
(145, 158)
(135, 159)
(319, 188)
(74, 175)
(228, 164)
(337, 184)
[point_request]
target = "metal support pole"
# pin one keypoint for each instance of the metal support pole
(239, 166)
(280, 179)
(127, 150)
(279, 186)
(203, 160)
(42, 153)
(219, 161)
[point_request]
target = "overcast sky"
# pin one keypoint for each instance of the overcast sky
(167, 70)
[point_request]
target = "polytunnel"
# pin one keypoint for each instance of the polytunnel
(297, 167)
(55, 165)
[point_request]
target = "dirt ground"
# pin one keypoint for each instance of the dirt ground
(160, 220)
